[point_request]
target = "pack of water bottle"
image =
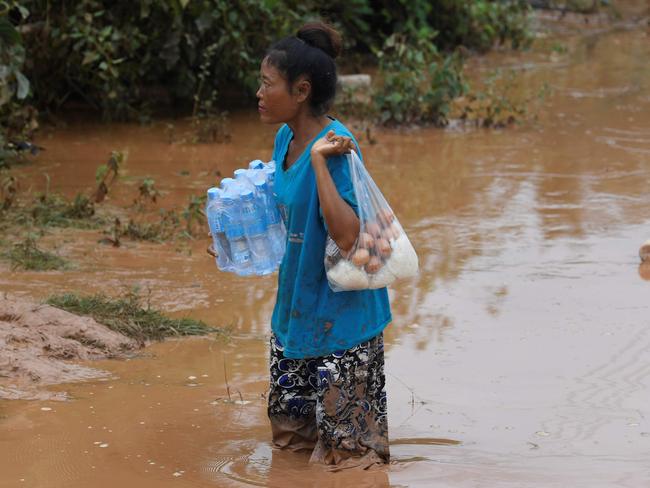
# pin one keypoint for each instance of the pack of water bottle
(247, 230)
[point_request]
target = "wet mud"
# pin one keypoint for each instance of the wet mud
(520, 355)
(40, 345)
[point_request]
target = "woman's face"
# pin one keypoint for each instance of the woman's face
(277, 103)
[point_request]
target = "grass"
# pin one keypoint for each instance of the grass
(160, 231)
(27, 255)
(56, 211)
(51, 210)
(128, 316)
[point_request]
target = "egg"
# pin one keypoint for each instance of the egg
(360, 257)
(385, 216)
(388, 233)
(383, 248)
(374, 264)
(644, 270)
(366, 241)
(373, 229)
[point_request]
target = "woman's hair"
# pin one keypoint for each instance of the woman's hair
(311, 52)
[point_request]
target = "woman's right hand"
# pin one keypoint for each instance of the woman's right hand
(210, 250)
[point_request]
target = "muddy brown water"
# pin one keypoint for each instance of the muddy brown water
(520, 356)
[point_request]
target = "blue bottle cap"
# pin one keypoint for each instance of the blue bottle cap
(257, 164)
(213, 193)
(226, 182)
(240, 173)
(247, 195)
(260, 181)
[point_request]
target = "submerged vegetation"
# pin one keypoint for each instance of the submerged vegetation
(52, 210)
(498, 102)
(28, 256)
(129, 315)
(21, 215)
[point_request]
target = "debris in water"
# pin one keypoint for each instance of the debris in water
(178, 473)
(103, 445)
(191, 377)
(644, 251)
(46, 409)
(541, 433)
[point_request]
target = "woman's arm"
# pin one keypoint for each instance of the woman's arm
(342, 223)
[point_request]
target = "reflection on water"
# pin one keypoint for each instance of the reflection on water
(518, 356)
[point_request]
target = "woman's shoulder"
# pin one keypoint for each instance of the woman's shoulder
(340, 128)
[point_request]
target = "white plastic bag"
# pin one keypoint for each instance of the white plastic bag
(382, 252)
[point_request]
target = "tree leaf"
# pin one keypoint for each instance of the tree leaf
(89, 57)
(8, 32)
(23, 85)
(24, 12)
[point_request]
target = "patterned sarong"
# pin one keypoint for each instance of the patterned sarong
(335, 405)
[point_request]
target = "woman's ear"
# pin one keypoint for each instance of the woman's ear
(302, 89)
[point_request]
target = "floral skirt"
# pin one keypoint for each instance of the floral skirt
(335, 404)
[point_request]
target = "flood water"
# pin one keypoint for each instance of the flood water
(520, 356)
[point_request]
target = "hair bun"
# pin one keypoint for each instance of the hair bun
(321, 36)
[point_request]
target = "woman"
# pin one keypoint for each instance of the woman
(327, 389)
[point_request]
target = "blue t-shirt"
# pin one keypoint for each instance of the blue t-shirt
(310, 319)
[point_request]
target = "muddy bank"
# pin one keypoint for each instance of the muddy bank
(39, 344)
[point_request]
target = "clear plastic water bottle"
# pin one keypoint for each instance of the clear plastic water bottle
(254, 224)
(243, 178)
(214, 212)
(274, 226)
(234, 227)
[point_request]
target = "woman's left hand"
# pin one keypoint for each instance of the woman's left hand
(332, 145)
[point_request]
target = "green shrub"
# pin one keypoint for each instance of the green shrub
(113, 55)
(15, 116)
(480, 24)
(417, 82)
(127, 57)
